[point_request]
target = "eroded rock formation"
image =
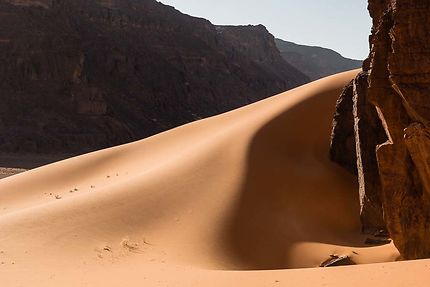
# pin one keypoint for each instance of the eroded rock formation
(391, 110)
(80, 75)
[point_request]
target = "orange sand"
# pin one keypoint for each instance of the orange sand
(219, 202)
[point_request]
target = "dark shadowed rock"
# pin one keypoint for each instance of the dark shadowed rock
(368, 133)
(77, 76)
(256, 43)
(342, 143)
(356, 132)
(377, 241)
(337, 260)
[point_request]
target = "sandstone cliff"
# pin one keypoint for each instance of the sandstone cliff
(390, 109)
(78, 75)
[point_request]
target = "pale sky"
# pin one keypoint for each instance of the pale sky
(341, 25)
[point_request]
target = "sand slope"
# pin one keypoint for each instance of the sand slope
(218, 202)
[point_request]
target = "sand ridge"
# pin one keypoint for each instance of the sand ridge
(212, 203)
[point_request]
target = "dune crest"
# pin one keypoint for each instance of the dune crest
(252, 189)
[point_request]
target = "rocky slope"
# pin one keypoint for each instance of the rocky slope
(315, 62)
(78, 75)
(390, 109)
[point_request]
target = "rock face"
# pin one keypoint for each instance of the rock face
(391, 110)
(315, 62)
(77, 76)
(342, 147)
(256, 43)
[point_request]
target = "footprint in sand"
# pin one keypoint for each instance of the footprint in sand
(105, 251)
(131, 246)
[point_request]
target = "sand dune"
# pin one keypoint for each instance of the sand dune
(220, 202)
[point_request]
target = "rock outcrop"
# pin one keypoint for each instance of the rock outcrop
(256, 43)
(77, 76)
(391, 111)
(315, 62)
(342, 144)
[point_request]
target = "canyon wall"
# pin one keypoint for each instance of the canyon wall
(79, 75)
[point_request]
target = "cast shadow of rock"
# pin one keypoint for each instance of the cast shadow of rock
(292, 193)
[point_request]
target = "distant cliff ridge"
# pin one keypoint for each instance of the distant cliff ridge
(315, 62)
(77, 76)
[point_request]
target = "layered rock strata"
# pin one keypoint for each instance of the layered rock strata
(77, 76)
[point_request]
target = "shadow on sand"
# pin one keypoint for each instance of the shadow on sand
(292, 193)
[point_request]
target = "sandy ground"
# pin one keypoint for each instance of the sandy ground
(240, 199)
